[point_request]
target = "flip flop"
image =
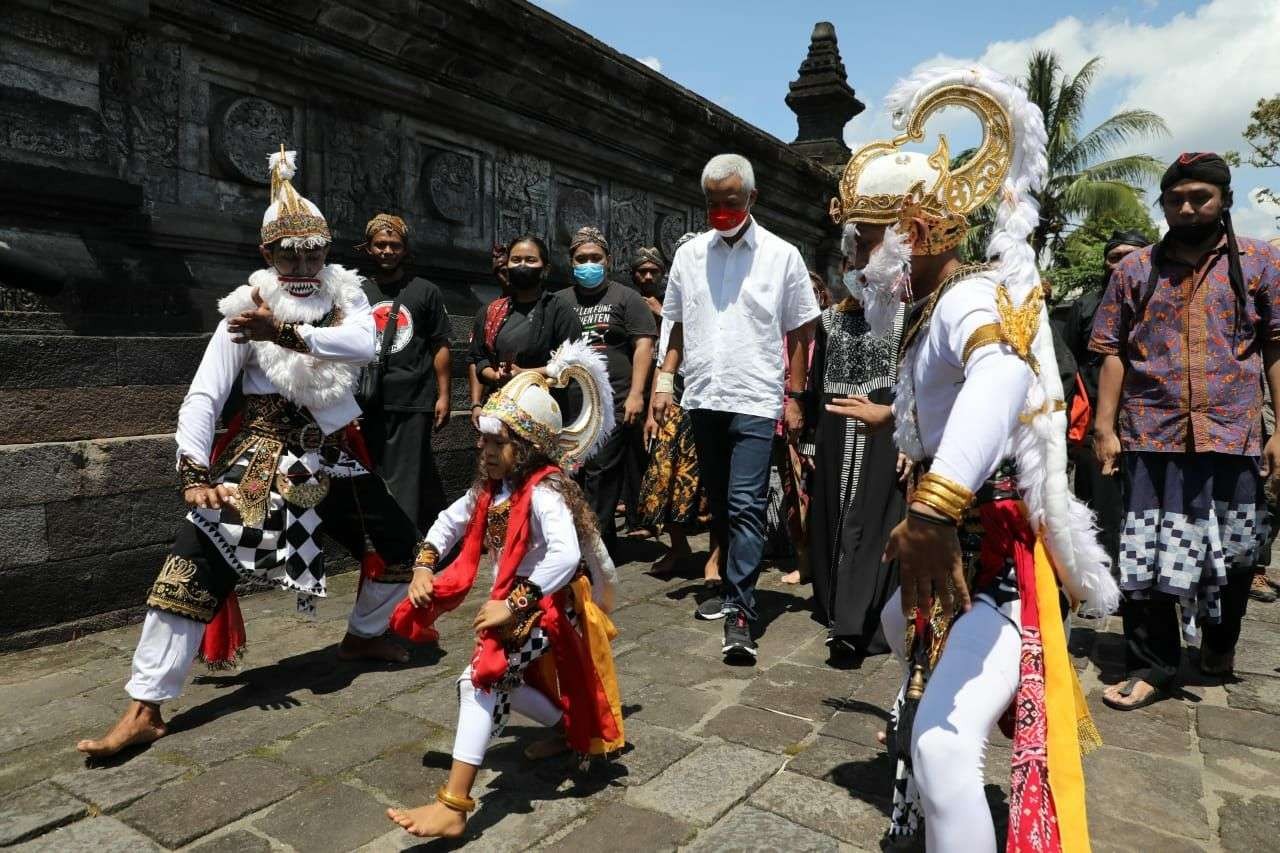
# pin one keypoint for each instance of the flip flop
(1153, 697)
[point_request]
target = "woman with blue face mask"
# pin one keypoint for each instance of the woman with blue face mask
(619, 323)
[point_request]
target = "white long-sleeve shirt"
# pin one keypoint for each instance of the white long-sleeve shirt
(350, 342)
(554, 553)
(966, 413)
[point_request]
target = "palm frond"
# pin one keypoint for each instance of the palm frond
(1115, 131)
(1133, 169)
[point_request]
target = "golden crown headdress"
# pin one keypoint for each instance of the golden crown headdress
(883, 185)
(289, 214)
(527, 408)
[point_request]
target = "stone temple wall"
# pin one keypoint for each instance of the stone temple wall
(133, 145)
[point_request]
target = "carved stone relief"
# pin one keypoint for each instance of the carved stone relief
(630, 223)
(671, 227)
(452, 185)
(575, 207)
(362, 172)
(245, 131)
(522, 188)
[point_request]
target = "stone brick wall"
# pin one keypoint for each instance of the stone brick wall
(133, 143)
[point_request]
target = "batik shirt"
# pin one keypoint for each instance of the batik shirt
(1193, 375)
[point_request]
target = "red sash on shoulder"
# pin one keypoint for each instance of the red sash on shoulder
(495, 315)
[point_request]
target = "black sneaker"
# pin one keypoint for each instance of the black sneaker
(710, 608)
(738, 644)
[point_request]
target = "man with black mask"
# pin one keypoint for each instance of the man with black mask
(1101, 493)
(1187, 329)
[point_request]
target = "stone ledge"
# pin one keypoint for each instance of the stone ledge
(68, 361)
(30, 415)
(53, 471)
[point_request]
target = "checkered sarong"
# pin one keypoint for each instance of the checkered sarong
(1191, 520)
(517, 662)
(284, 548)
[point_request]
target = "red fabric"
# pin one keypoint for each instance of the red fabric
(224, 637)
(452, 585)
(1033, 825)
(1080, 416)
(354, 439)
(495, 315)
(580, 694)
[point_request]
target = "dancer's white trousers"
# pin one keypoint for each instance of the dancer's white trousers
(972, 685)
(169, 643)
(478, 723)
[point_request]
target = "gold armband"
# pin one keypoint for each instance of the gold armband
(287, 336)
(427, 557)
(947, 497)
(665, 383)
(981, 337)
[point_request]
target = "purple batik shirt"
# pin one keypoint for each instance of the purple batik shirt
(1185, 388)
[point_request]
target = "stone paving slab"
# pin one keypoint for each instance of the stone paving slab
(622, 828)
(96, 834)
(182, 813)
(747, 830)
(35, 811)
(703, 785)
(305, 820)
(297, 751)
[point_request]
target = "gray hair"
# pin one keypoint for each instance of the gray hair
(724, 166)
(849, 239)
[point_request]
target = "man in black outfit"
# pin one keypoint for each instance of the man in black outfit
(406, 392)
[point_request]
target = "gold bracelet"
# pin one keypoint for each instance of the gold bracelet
(453, 801)
(427, 557)
(947, 497)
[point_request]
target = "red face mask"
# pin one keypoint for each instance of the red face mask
(726, 218)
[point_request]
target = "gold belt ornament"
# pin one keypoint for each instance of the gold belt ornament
(305, 495)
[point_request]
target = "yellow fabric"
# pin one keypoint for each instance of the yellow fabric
(598, 631)
(1066, 712)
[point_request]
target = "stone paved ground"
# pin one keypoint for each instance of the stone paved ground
(299, 752)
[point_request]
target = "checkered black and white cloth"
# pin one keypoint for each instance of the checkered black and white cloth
(1191, 520)
(517, 662)
(284, 548)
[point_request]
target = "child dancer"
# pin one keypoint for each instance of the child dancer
(542, 636)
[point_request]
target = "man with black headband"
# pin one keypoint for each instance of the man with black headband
(1101, 493)
(405, 390)
(1187, 328)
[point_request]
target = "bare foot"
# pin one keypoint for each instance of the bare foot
(141, 723)
(715, 565)
(434, 820)
(546, 748)
(882, 738)
(792, 577)
(372, 648)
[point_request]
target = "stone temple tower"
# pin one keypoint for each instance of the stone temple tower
(823, 100)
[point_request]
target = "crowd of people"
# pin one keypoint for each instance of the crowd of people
(914, 410)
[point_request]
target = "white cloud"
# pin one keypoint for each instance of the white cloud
(653, 62)
(1254, 216)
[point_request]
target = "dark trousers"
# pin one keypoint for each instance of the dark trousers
(733, 461)
(400, 444)
(1153, 631)
(635, 463)
(601, 481)
(1104, 495)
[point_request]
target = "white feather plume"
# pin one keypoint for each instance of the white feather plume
(581, 353)
(287, 164)
(1039, 443)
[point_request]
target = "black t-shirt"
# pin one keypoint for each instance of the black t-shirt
(612, 318)
(532, 331)
(409, 383)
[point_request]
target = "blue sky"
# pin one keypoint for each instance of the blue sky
(1171, 56)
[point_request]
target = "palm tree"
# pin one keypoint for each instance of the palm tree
(1084, 179)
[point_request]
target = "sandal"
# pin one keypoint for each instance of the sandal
(1151, 698)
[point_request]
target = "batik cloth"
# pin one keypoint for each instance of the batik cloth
(671, 492)
(1191, 520)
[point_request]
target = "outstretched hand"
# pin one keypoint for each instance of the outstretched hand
(258, 324)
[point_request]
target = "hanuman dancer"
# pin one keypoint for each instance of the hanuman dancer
(542, 634)
(291, 462)
(978, 408)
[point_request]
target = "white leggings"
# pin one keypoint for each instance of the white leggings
(972, 685)
(482, 715)
(169, 643)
